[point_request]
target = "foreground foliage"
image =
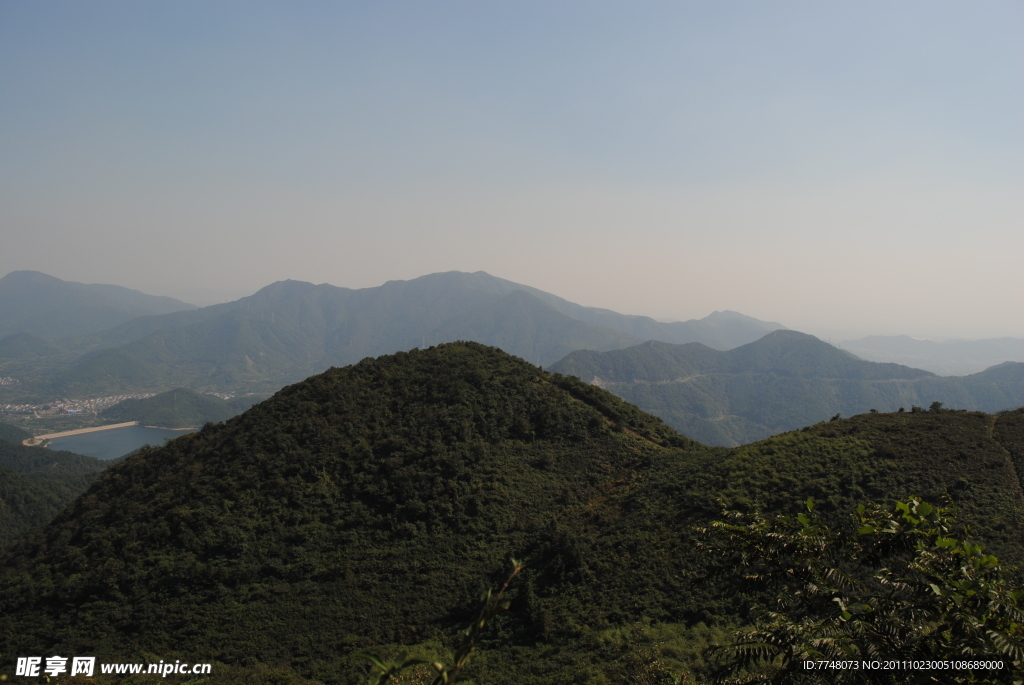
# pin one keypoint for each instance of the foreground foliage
(492, 604)
(896, 584)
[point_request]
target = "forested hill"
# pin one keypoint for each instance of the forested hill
(781, 382)
(37, 483)
(178, 408)
(371, 504)
(290, 330)
(782, 353)
(9, 433)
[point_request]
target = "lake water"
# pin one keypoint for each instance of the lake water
(116, 442)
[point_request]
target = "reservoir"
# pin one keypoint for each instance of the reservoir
(116, 442)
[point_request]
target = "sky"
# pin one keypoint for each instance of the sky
(842, 168)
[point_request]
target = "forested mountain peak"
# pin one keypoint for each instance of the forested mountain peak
(423, 456)
(799, 354)
(1007, 372)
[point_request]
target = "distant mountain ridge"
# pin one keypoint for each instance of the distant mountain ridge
(33, 302)
(291, 329)
(784, 353)
(436, 298)
(781, 382)
(949, 358)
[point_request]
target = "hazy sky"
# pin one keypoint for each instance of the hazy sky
(852, 167)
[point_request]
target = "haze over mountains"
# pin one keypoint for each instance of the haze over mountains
(948, 358)
(728, 384)
(32, 302)
(781, 382)
(289, 330)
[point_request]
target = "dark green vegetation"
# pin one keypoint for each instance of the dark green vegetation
(37, 483)
(289, 330)
(493, 603)
(179, 408)
(9, 433)
(781, 382)
(32, 302)
(896, 581)
(370, 505)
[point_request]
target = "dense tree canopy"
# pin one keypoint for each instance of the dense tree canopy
(369, 506)
(893, 584)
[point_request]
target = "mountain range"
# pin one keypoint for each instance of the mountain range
(947, 358)
(368, 506)
(32, 302)
(727, 379)
(289, 330)
(781, 382)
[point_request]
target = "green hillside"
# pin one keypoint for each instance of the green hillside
(37, 483)
(26, 346)
(371, 504)
(9, 433)
(781, 382)
(179, 408)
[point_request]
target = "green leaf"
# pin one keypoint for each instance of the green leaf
(372, 658)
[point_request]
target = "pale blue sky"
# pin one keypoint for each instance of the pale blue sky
(837, 167)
